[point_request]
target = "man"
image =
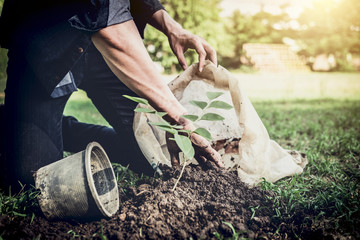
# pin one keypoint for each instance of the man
(57, 46)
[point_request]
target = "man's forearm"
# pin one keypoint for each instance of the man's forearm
(124, 52)
(162, 21)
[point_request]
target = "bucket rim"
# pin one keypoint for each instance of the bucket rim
(90, 179)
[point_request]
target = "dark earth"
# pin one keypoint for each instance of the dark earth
(202, 206)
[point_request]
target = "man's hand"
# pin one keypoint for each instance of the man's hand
(203, 150)
(125, 54)
(181, 40)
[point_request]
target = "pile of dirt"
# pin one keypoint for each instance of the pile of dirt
(198, 208)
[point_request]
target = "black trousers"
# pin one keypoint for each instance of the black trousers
(37, 133)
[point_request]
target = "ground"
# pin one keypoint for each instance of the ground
(206, 204)
(321, 203)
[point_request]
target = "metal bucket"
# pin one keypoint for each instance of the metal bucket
(81, 186)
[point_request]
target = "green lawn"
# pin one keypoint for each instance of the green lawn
(328, 131)
(324, 126)
(80, 106)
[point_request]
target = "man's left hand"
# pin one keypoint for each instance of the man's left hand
(181, 40)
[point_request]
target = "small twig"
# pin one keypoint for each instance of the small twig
(142, 192)
(181, 173)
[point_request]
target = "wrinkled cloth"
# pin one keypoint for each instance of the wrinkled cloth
(256, 157)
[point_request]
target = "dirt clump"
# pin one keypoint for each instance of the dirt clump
(229, 145)
(197, 209)
(198, 206)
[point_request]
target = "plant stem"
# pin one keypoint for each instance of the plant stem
(181, 173)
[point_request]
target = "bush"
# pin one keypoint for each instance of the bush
(3, 65)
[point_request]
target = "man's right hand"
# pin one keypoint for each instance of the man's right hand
(124, 52)
(203, 150)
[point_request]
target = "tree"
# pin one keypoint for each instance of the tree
(200, 17)
(258, 28)
(3, 60)
(331, 27)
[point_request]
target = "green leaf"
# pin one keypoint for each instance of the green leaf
(161, 114)
(185, 146)
(199, 104)
(184, 131)
(164, 126)
(218, 235)
(177, 126)
(204, 133)
(144, 110)
(137, 99)
(212, 117)
(32, 218)
(220, 104)
(167, 129)
(161, 124)
(213, 95)
(191, 117)
(235, 234)
(19, 214)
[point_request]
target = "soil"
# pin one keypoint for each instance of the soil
(229, 145)
(204, 201)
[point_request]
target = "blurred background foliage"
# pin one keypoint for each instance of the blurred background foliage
(330, 27)
(3, 60)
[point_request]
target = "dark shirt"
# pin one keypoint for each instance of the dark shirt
(53, 35)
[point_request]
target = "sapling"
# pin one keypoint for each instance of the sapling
(181, 136)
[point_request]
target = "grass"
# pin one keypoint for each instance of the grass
(328, 132)
(325, 126)
(235, 235)
(81, 107)
(22, 203)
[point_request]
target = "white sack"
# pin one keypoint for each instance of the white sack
(257, 156)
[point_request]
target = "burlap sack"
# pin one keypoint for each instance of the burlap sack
(254, 157)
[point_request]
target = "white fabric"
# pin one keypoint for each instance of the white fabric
(258, 156)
